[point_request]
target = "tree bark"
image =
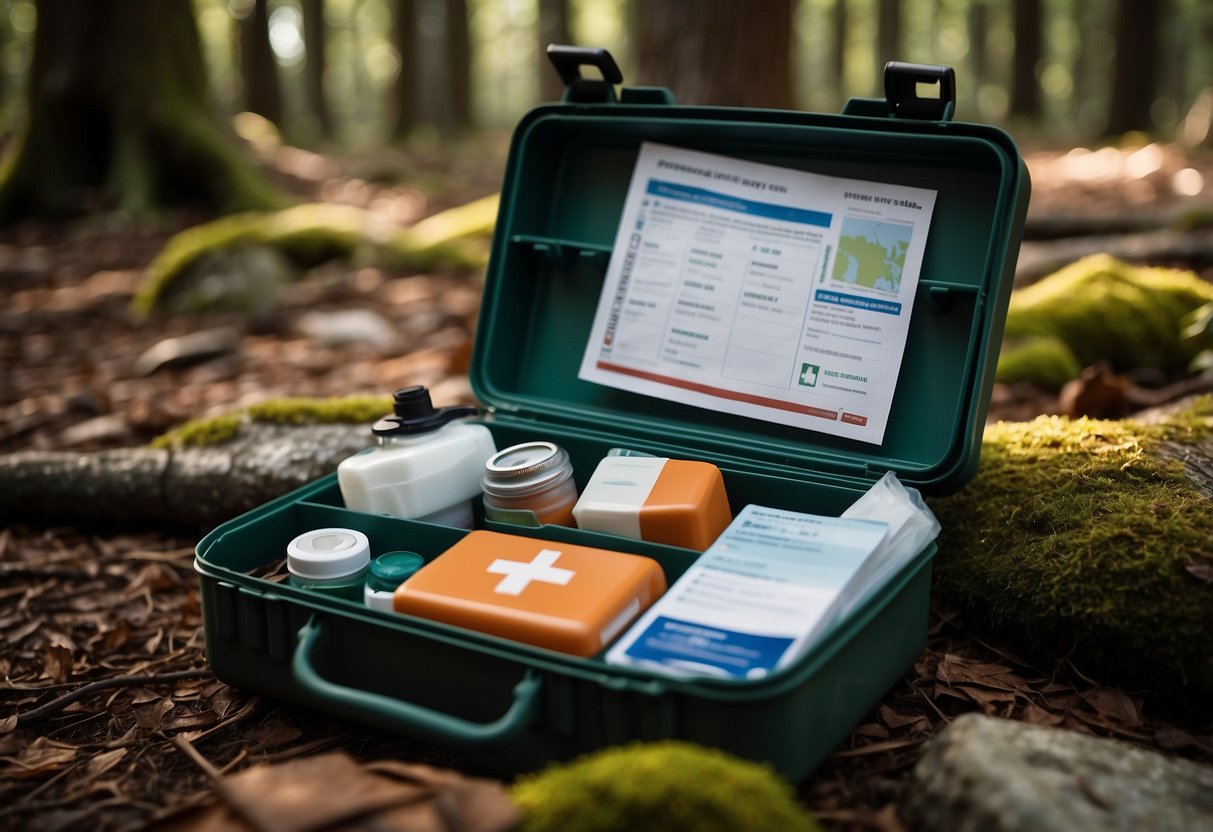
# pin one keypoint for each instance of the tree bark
(1135, 72)
(458, 65)
(716, 51)
(978, 22)
(258, 69)
(1025, 88)
(888, 36)
(406, 90)
(553, 28)
(195, 488)
(119, 116)
(315, 43)
(839, 33)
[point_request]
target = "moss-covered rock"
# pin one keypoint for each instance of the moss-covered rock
(1045, 361)
(216, 430)
(1102, 310)
(309, 234)
(1084, 538)
(667, 786)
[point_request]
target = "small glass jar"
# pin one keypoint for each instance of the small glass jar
(530, 485)
(386, 573)
(331, 561)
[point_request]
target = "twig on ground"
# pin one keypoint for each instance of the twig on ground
(56, 705)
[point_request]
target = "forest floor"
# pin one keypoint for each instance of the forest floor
(118, 609)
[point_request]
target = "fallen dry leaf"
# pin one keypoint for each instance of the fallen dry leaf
(56, 662)
(333, 791)
(1202, 571)
(42, 756)
(103, 762)
(1114, 704)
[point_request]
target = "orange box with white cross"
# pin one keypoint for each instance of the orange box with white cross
(573, 599)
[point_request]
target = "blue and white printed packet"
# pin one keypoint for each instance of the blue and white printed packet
(753, 602)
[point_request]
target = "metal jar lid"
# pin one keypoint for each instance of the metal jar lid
(525, 469)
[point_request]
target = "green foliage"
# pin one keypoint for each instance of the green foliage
(1045, 361)
(1078, 535)
(667, 786)
(1106, 310)
(350, 410)
(1198, 329)
(312, 233)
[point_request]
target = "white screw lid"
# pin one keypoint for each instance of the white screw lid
(322, 554)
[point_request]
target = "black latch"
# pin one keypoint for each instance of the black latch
(921, 91)
(569, 60)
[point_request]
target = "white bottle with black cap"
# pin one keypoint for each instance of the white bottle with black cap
(426, 467)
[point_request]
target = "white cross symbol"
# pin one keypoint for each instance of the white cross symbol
(519, 574)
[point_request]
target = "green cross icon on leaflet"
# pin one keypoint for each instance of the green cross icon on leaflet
(808, 374)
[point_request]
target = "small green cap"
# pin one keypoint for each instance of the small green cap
(390, 570)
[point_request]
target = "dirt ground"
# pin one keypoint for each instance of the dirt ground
(106, 703)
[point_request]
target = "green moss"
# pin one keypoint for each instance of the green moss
(667, 786)
(201, 433)
(1106, 310)
(1077, 535)
(312, 233)
(348, 410)
(1045, 361)
(216, 430)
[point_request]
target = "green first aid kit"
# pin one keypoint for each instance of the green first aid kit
(805, 301)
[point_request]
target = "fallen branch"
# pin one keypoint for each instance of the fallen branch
(192, 487)
(1192, 248)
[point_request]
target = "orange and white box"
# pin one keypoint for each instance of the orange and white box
(675, 501)
(574, 599)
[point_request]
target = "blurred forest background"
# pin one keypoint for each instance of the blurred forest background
(358, 73)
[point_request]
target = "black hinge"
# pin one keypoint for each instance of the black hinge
(569, 60)
(921, 91)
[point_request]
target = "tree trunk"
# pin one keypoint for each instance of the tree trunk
(258, 69)
(1025, 88)
(840, 48)
(1135, 72)
(888, 35)
(315, 37)
(553, 28)
(458, 64)
(716, 51)
(979, 52)
(119, 116)
(407, 88)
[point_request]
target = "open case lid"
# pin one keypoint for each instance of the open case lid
(566, 179)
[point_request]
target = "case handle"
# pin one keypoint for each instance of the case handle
(419, 721)
(568, 61)
(903, 82)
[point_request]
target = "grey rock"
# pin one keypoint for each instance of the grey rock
(997, 775)
(186, 350)
(251, 279)
(348, 326)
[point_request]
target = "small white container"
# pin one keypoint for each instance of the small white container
(333, 561)
(427, 467)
